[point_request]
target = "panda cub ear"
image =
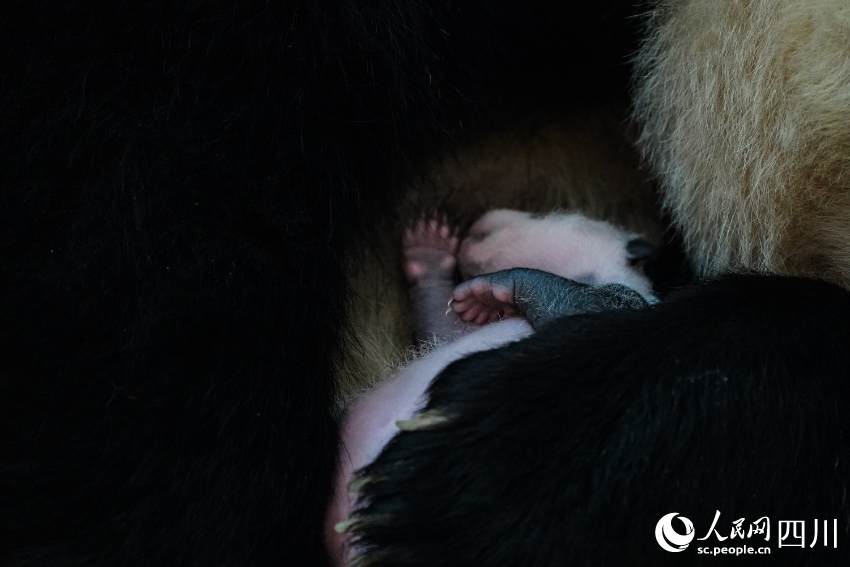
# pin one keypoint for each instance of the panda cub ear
(639, 250)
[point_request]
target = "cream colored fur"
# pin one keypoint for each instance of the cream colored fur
(745, 110)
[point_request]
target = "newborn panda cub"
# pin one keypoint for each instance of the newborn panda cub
(521, 271)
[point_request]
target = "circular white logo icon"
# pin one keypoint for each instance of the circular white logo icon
(671, 540)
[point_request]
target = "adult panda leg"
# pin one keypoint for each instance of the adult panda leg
(569, 446)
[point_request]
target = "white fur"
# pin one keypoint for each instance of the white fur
(745, 109)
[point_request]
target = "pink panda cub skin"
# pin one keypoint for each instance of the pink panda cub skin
(500, 304)
(570, 245)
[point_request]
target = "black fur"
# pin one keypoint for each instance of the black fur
(567, 447)
(178, 181)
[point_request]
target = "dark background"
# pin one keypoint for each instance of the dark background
(178, 179)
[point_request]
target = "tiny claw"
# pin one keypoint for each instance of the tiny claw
(425, 420)
(344, 526)
(357, 484)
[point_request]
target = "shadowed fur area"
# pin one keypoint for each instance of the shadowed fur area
(181, 182)
(565, 448)
(744, 107)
